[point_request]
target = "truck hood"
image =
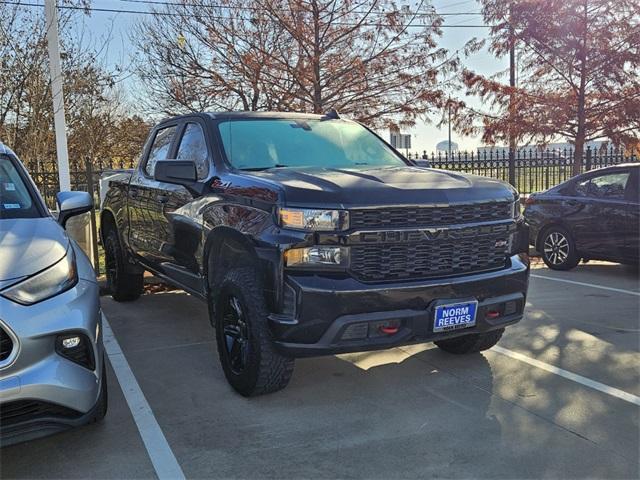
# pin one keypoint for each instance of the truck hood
(28, 245)
(347, 188)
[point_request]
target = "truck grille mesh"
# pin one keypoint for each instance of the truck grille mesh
(433, 259)
(6, 345)
(429, 216)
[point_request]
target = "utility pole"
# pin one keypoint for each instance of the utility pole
(512, 104)
(449, 122)
(51, 17)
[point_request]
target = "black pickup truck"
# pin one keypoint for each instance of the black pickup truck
(310, 235)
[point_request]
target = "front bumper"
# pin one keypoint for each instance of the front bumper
(42, 391)
(324, 308)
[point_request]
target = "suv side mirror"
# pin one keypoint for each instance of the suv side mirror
(179, 172)
(71, 204)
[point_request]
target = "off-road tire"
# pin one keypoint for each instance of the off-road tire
(473, 343)
(572, 257)
(266, 370)
(123, 285)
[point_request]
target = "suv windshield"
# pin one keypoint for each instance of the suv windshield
(16, 200)
(259, 144)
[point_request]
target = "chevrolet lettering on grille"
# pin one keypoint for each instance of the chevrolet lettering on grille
(429, 234)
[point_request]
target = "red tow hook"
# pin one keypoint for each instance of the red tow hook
(389, 330)
(492, 314)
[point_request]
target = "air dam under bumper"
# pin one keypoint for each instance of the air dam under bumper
(330, 313)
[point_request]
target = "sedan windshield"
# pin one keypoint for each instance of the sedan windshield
(16, 200)
(260, 144)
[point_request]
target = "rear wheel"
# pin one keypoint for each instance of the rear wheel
(123, 285)
(249, 360)
(473, 343)
(558, 249)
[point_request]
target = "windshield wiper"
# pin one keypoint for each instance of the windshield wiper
(259, 169)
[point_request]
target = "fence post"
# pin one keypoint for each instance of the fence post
(588, 160)
(94, 227)
(512, 166)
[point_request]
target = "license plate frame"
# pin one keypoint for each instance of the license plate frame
(455, 320)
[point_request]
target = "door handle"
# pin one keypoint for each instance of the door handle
(162, 198)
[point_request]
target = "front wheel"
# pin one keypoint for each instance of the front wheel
(249, 360)
(558, 249)
(473, 343)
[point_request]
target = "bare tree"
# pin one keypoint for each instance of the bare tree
(366, 58)
(579, 72)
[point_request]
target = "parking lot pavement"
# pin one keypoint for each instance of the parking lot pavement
(110, 449)
(407, 412)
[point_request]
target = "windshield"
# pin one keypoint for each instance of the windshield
(15, 197)
(257, 144)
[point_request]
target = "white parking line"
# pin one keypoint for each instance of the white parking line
(162, 457)
(587, 382)
(592, 285)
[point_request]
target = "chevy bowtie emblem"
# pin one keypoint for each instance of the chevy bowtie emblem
(501, 243)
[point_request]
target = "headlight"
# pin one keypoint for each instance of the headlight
(317, 257)
(58, 278)
(315, 220)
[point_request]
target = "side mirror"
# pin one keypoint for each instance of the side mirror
(71, 204)
(179, 172)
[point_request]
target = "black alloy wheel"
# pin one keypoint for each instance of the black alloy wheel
(236, 334)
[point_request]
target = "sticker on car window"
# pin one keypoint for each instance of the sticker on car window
(8, 206)
(9, 187)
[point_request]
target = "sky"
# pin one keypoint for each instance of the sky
(111, 31)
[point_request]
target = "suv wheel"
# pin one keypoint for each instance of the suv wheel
(250, 362)
(558, 249)
(123, 286)
(473, 343)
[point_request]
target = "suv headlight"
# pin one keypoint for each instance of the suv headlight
(314, 220)
(318, 256)
(58, 278)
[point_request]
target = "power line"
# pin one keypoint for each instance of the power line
(215, 17)
(238, 7)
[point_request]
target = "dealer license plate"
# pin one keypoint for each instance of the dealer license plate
(454, 316)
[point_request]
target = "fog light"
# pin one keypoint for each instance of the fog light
(70, 342)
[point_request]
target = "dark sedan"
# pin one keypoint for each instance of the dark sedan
(591, 216)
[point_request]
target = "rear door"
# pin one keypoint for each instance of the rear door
(179, 225)
(599, 219)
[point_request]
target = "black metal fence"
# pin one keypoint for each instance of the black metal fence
(534, 169)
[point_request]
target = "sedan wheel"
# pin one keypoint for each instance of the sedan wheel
(558, 249)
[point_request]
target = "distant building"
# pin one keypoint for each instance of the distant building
(552, 147)
(443, 146)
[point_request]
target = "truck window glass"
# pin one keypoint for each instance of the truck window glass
(257, 144)
(194, 147)
(160, 148)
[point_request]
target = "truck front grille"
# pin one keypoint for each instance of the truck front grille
(429, 216)
(429, 259)
(6, 345)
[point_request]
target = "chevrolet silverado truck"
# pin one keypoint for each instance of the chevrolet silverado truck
(309, 235)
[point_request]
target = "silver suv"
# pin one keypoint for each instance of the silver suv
(51, 354)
